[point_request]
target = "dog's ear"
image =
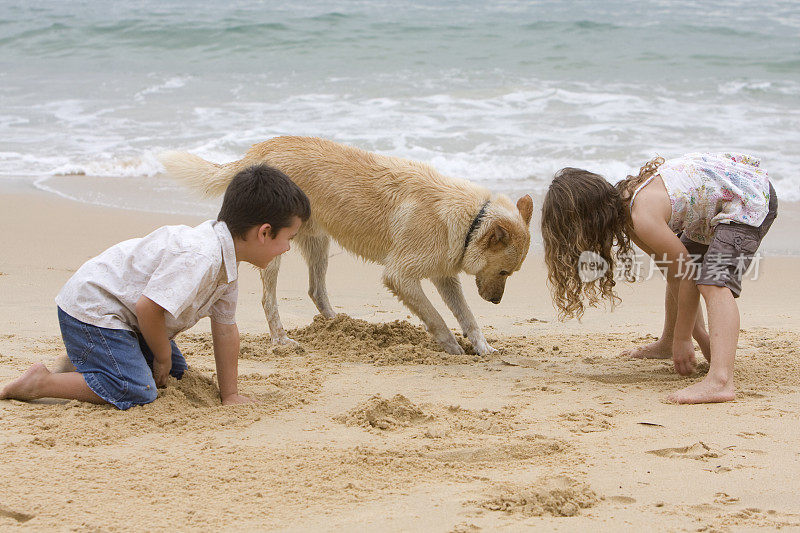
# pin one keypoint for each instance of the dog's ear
(525, 206)
(498, 236)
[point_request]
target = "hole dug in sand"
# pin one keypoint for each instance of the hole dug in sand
(555, 496)
(343, 338)
(192, 390)
(380, 413)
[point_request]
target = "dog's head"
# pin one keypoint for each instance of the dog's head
(499, 245)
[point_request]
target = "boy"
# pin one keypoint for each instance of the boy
(120, 310)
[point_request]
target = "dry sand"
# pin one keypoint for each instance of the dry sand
(369, 426)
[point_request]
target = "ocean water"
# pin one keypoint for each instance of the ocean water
(502, 93)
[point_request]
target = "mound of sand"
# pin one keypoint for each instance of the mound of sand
(378, 412)
(343, 338)
(194, 389)
(190, 405)
(556, 496)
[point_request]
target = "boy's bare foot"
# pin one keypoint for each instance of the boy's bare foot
(26, 386)
(709, 390)
(655, 350)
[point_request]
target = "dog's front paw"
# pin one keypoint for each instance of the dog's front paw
(284, 340)
(452, 347)
(483, 349)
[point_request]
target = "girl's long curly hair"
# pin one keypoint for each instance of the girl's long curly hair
(583, 212)
(627, 186)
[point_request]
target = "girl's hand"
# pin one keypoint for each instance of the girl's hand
(683, 357)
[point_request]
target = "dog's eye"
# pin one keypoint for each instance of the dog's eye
(505, 273)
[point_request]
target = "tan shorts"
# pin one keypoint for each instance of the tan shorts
(724, 261)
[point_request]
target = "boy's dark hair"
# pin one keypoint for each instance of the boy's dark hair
(262, 195)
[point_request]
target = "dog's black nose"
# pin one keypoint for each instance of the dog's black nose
(495, 300)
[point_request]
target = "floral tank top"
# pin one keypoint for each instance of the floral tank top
(708, 189)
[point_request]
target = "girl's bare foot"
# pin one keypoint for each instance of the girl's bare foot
(26, 386)
(659, 349)
(710, 390)
(663, 350)
(704, 342)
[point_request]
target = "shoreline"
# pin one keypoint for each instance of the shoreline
(167, 198)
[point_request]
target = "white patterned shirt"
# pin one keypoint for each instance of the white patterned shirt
(190, 272)
(707, 189)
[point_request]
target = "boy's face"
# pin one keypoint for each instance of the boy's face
(269, 248)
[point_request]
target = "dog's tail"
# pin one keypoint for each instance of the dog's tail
(211, 179)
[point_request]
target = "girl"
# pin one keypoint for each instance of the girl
(703, 215)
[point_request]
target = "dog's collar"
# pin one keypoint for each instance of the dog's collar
(475, 223)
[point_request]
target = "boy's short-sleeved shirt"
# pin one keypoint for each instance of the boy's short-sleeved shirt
(190, 272)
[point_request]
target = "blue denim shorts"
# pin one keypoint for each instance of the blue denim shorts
(117, 364)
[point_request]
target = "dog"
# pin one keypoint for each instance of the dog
(399, 213)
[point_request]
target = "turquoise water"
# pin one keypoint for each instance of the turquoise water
(503, 94)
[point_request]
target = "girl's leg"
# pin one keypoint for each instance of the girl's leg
(723, 321)
(661, 348)
(700, 334)
(38, 382)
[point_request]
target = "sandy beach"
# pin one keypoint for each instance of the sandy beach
(369, 427)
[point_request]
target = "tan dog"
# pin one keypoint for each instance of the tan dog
(399, 213)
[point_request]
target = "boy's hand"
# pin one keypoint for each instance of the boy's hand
(683, 357)
(161, 371)
(233, 399)
(153, 327)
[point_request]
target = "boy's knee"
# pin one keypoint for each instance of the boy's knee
(140, 396)
(143, 393)
(148, 394)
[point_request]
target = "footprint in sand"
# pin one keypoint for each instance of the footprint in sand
(698, 451)
(19, 517)
(626, 500)
(725, 498)
(751, 435)
(555, 496)
(588, 421)
(519, 360)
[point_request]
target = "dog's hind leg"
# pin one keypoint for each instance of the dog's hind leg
(409, 291)
(449, 288)
(314, 248)
(269, 300)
